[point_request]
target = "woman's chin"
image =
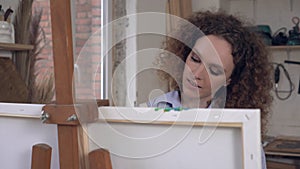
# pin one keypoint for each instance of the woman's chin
(195, 94)
(191, 94)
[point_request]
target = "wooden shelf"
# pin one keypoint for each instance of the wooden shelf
(15, 47)
(284, 47)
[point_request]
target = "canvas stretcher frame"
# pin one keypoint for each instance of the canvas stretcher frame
(247, 121)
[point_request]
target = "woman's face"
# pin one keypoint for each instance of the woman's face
(207, 68)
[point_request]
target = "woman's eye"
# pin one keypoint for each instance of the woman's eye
(195, 58)
(215, 70)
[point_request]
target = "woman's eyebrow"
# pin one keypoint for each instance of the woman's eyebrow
(211, 64)
(196, 53)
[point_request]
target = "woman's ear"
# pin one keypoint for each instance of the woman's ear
(228, 82)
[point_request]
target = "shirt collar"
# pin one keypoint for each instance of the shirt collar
(171, 98)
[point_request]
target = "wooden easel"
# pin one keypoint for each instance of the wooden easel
(72, 155)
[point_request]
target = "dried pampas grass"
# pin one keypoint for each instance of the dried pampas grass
(21, 23)
(28, 31)
(41, 84)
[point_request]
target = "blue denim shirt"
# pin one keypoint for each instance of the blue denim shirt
(172, 99)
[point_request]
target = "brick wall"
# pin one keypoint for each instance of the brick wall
(87, 50)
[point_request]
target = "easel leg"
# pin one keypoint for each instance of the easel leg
(41, 156)
(100, 159)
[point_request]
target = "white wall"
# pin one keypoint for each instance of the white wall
(213, 5)
(276, 13)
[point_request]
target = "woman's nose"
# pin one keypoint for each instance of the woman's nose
(199, 71)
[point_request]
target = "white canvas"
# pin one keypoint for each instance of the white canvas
(142, 138)
(20, 129)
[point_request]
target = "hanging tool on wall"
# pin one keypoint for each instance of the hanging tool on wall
(294, 34)
(297, 63)
(280, 37)
(277, 79)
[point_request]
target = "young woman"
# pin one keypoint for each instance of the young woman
(224, 67)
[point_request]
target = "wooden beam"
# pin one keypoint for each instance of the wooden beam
(68, 114)
(62, 50)
(15, 46)
(63, 70)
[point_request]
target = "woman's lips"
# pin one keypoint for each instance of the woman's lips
(192, 83)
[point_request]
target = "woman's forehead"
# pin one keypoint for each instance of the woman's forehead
(213, 49)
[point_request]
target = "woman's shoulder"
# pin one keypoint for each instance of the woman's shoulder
(170, 99)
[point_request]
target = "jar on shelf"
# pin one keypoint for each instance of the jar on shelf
(7, 33)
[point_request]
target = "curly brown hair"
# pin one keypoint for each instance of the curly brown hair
(251, 81)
